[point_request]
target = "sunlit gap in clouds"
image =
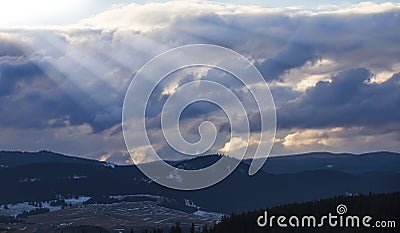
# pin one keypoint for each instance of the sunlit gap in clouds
(57, 76)
(88, 73)
(79, 82)
(82, 63)
(73, 86)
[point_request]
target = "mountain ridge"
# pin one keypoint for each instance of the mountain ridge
(238, 192)
(346, 162)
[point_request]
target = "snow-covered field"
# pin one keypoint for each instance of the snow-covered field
(122, 215)
(216, 217)
(19, 208)
(75, 201)
(120, 197)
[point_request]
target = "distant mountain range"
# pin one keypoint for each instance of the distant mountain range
(344, 162)
(44, 175)
(17, 158)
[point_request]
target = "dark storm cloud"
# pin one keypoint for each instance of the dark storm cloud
(8, 48)
(292, 56)
(343, 38)
(31, 99)
(283, 95)
(14, 76)
(348, 100)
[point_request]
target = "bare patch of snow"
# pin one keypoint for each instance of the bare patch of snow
(216, 217)
(28, 179)
(190, 203)
(77, 177)
(75, 201)
(107, 164)
(174, 175)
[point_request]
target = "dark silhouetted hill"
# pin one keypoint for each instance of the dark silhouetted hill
(46, 175)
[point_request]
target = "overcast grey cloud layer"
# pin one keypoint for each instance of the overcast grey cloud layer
(348, 100)
(334, 73)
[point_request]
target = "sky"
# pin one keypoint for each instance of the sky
(333, 69)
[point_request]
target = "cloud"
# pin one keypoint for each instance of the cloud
(17, 76)
(292, 56)
(9, 49)
(278, 39)
(353, 140)
(61, 80)
(234, 144)
(350, 99)
(30, 88)
(308, 138)
(136, 16)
